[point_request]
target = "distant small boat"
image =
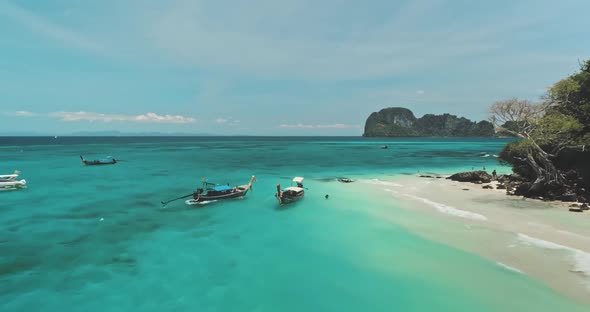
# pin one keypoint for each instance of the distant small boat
(9, 177)
(13, 185)
(345, 180)
(384, 147)
(106, 161)
(292, 193)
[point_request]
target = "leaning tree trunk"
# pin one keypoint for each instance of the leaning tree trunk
(545, 170)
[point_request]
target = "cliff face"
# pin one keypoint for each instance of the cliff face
(393, 121)
(400, 122)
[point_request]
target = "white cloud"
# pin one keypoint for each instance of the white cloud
(307, 126)
(21, 114)
(229, 121)
(99, 117)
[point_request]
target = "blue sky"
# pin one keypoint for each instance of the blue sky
(274, 67)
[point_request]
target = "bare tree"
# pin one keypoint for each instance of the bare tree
(521, 118)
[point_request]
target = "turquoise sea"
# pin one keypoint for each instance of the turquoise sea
(97, 238)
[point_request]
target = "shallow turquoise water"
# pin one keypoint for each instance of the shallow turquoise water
(97, 239)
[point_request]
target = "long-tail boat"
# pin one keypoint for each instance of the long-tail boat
(292, 193)
(12, 185)
(9, 177)
(213, 192)
(105, 161)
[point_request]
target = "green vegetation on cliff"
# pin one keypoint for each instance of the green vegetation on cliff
(401, 122)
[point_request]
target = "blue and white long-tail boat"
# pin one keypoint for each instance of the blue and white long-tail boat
(211, 192)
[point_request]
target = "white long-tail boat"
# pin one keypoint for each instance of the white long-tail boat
(9, 177)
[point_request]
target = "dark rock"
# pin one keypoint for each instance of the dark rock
(584, 207)
(466, 189)
(487, 186)
(569, 197)
(426, 176)
(472, 176)
(501, 187)
(522, 189)
(576, 210)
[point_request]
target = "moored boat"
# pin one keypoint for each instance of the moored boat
(292, 193)
(105, 161)
(214, 192)
(12, 185)
(9, 177)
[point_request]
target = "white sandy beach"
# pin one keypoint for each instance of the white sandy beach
(541, 239)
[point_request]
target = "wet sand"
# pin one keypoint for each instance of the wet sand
(541, 239)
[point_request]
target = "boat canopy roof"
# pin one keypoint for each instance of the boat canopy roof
(298, 179)
(220, 188)
(294, 189)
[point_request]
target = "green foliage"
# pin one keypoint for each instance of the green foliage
(450, 125)
(571, 96)
(556, 129)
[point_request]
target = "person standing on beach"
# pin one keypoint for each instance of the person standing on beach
(494, 174)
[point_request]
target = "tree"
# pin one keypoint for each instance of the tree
(541, 134)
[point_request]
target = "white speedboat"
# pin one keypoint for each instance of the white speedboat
(9, 177)
(13, 185)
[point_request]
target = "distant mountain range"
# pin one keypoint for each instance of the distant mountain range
(107, 133)
(401, 122)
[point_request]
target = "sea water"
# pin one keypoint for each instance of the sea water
(96, 238)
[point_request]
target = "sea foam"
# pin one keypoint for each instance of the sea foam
(449, 209)
(509, 268)
(439, 206)
(581, 258)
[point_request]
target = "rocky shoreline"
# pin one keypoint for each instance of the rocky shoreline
(516, 185)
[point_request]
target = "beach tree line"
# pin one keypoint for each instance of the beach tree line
(559, 121)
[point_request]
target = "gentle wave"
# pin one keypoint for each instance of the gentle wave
(509, 268)
(439, 206)
(450, 210)
(379, 182)
(581, 258)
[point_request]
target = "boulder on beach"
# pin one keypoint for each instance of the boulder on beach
(479, 176)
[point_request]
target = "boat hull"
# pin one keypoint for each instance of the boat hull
(290, 199)
(8, 177)
(13, 185)
(99, 162)
(240, 192)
